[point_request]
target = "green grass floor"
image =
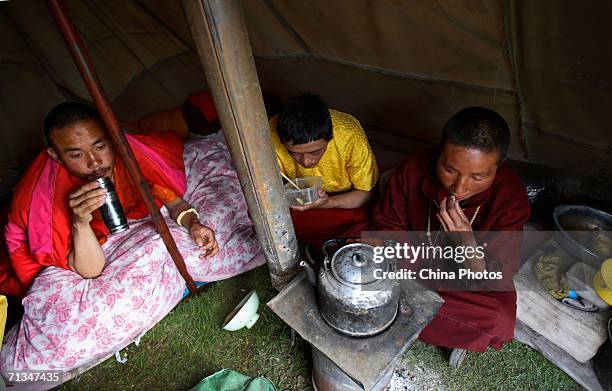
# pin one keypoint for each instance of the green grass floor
(189, 345)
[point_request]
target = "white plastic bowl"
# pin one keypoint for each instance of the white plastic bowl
(245, 313)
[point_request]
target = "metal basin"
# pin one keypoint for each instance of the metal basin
(584, 232)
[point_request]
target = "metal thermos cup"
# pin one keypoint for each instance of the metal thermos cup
(112, 211)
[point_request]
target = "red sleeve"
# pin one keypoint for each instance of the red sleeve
(18, 267)
(10, 282)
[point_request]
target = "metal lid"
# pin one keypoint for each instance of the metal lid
(354, 264)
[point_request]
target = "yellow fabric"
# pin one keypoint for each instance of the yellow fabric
(603, 281)
(3, 309)
(347, 164)
(606, 271)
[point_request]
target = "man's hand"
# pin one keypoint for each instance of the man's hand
(86, 256)
(84, 201)
(451, 216)
(324, 202)
(204, 237)
(453, 219)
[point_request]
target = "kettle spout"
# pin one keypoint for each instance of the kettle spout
(310, 274)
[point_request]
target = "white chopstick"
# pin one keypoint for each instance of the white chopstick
(290, 181)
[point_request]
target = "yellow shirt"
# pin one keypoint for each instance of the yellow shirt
(348, 162)
(3, 309)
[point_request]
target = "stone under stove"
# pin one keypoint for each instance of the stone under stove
(341, 362)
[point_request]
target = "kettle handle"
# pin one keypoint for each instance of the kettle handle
(333, 242)
(325, 248)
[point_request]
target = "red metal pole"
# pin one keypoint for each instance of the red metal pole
(88, 73)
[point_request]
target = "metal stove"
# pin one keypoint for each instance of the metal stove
(347, 363)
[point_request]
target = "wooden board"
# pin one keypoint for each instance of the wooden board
(583, 373)
(578, 333)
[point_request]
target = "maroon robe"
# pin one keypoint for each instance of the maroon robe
(470, 320)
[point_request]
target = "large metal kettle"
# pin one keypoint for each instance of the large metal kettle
(352, 297)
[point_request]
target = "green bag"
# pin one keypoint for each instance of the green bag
(229, 380)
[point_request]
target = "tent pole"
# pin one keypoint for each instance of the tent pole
(81, 57)
(221, 39)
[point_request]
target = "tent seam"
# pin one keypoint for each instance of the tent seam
(381, 70)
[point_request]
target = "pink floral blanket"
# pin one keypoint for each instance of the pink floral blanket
(71, 322)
